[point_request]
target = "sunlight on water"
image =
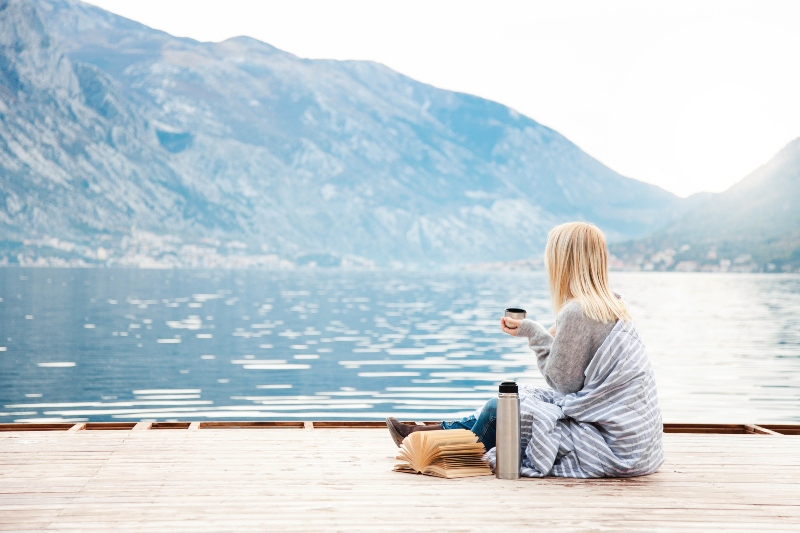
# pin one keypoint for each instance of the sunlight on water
(191, 345)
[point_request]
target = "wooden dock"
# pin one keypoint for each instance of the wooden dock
(309, 477)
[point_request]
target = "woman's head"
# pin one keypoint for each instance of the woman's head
(576, 258)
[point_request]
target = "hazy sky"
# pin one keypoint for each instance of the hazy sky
(689, 95)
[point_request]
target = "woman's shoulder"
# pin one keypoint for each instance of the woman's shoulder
(571, 310)
(573, 313)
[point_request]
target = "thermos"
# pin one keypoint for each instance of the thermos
(508, 452)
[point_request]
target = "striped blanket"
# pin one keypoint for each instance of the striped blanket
(610, 428)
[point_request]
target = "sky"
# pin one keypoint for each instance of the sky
(688, 95)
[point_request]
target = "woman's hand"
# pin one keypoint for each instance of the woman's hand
(513, 322)
(552, 331)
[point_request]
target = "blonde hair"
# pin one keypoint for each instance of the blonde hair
(576, 258)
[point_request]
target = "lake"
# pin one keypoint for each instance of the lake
(106, 344)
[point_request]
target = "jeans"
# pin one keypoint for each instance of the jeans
(484, 426)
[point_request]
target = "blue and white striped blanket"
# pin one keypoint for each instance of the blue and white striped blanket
(610, 428)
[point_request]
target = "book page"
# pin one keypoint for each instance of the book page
(443, 453)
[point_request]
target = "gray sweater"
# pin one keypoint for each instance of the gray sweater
(563, 360)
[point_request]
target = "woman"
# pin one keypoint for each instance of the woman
(601, 417)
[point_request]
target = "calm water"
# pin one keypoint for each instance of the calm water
(132, 345)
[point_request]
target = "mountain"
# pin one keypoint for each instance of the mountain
(119, 136)
(77, 160)
(753, 226)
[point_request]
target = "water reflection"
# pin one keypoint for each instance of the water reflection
(98, 345)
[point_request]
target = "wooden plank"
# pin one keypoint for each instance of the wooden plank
(353, 424)
(55, 426)
(142, 426)
(170, 425)
(763, 429)
(752, 428)
(109, 426)
(349, 424)
(725, 429)
(251, 425)
(783, 429)
(77, 427)
(341, 479)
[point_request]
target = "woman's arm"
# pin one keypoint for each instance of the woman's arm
(540, 342)
(561, 357)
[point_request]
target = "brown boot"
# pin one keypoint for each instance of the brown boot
(400, 431)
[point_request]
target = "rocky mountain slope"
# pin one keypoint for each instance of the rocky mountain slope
(74, 154)
(753, 226)
(111, 129)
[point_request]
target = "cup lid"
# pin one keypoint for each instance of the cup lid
(509, 387)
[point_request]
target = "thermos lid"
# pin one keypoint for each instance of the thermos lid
(509, 387)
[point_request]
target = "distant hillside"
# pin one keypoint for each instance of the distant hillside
(121, 144)
(753, 226)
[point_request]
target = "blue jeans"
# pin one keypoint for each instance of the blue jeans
(485, 426)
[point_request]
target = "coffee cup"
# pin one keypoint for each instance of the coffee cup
(516, 313)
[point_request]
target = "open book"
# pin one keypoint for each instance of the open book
(447, 453)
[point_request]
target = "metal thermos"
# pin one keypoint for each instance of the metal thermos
(508, 452)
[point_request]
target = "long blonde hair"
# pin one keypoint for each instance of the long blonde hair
(576, 258)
